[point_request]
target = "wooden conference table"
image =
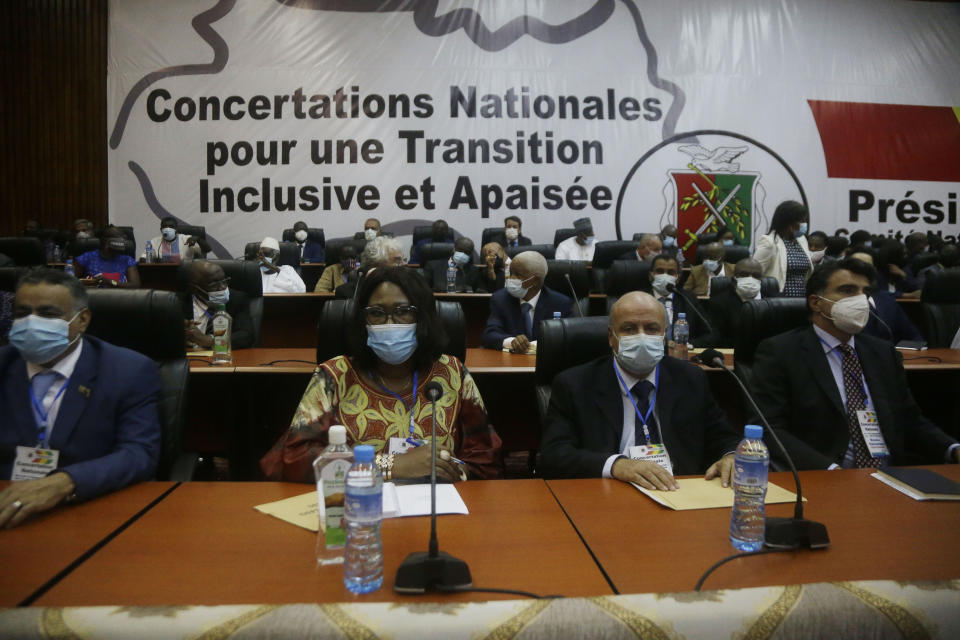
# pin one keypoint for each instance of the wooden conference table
(204, 544)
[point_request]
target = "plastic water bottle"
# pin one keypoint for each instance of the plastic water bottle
(749, 490)
(363, 514)
(222, 328)
(681, 336)
(148, 252)
(556, 315)
(451, 278)
(68, 268)
(330, 470)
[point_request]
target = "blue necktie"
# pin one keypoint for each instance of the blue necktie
(527, 320)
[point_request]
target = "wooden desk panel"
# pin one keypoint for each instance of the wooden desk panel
(37, 550)
(876, 533)
(205, 545)
(931, 360)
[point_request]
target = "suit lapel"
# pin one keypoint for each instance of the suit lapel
(76, 396)
(19, 403)
(609, 402)
(814, 357)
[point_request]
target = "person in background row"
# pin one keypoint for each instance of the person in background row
(517, 310)
(816, 385)
(208, 288)
(381, 252)
(371, 229)
(664, 271)
(892, 272)
(727, 238)
(917, 245)
(170, 246)
(82, 229)
(395, 346)
(947, 258)
(647, 249)
(340, 273)
(817, 245)
(512, 231)
(495, 267)
(861, 237)
(669, 244)
(888, 321)
(277, 278)
(581, 246)
(461, 261)
(835, 248)
(633, 414)
(725, 307)
(440, 232)
(783, 252)
(108, 266)
(713, 266)
(310, 250)
(93, 405)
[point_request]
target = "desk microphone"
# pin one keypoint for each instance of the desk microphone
(781, 533)
(435, 569)
(576, 302)
(356, 289)
(880, 320)
(672, 288)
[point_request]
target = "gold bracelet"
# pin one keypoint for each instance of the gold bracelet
(385, 463)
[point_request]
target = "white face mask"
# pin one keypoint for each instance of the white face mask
(168, 233)
(639, 353)
(300, 235)
(515, 287)
(711, 265)
(669, 241)
(660, 282)
(748, 287)
(512, 233)
(369, 234)
(850, 315)
(817, 256)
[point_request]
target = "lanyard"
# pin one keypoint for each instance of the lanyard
(38, 407)
(833, 350)
(643, 418)
(409, 408)
(205, 311)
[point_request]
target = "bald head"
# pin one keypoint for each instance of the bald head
(862, 256)
(649, 245)
(638, 312)
(713, 251)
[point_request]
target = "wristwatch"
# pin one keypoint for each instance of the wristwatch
(385, 463)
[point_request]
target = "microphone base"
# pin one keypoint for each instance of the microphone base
(419, 573)
(790, 533)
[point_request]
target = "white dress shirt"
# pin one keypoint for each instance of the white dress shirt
(570, 249)
(285, 281)
(533, 308)
(50, 401)
(628, 435)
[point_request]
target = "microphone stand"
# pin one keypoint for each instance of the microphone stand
(576, 302)
(781, 533)
(672, 288)
(434, 569)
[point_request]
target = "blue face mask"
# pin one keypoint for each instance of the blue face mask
(219, 297)
(728, 242)
(392, 343)
(802, 231)
(460, 258)
(40, 340)
(639, 353)
(669, 241)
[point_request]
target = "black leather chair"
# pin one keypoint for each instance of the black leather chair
(25, 252)
(548, 251)
(768, 286)
(607, 251)
(192, 230)
(762, 319)
(359, 235)
(562, 344)
(704, 239)
(335, 316)
(624, 276)
(557, 270)
(335, 245)
(289, 254)
(733, 254)
(126, 231)
(637, 237)
(313, 234)
(562, 234)
(940, 300)
(80, 247)
(9, 276)
(150, 322)
(493, 234)
(244, 276)
(435, 251)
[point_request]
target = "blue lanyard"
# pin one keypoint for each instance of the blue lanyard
(833, 350)
(205, 312)
(643, 418)
(42, 427)
(409, 408)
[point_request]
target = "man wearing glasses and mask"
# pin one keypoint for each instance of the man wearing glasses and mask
(208, 288)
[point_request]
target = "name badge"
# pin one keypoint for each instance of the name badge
(652, 453)
(399, 446)
(870, 428)
(32, 463)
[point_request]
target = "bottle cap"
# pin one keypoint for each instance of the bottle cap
(222, 307)
(753, 431)
(363, 453)
(337, 434)
(681, 316)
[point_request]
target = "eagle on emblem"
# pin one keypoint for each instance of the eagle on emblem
(718, 160)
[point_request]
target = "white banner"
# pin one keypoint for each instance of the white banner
(247, 115)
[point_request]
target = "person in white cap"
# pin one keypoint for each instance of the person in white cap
(277, 278)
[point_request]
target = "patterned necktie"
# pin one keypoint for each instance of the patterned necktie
(527, 320)
(641, 393)
(856, 401)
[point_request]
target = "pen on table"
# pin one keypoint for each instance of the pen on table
(416, 443)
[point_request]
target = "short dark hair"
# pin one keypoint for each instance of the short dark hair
(817, 282)
(515, 219)
(835, 245)
(463, 243)
(786, 214)
(818, 234)
(45, 275)
(300, 224)
(859, 236)
(431, 338)
(663, 257)
(348, 251)
(168, 221)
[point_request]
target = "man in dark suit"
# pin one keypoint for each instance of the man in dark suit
(209, 288)
(888, 320)
(635, 396)
(517, 309)
(817, 384)
(461, 260)
(724, 307)
(649, 247)
(93, 405)
(663, 273)
(512, 233)
(310, 251)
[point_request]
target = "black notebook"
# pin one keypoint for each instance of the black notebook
(920, 484)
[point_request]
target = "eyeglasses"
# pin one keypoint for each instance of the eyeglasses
(219, 285)
(401, 314)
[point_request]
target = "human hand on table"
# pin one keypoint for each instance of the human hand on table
(21, 500)
(723, 469)
(415, 463)
(520, 344)
(648, 475)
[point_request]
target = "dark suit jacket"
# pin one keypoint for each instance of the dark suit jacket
(312, 252)
(108, 427)
(585, 420)
(488, 284)
(893, 314)
(468, 280)
(795, 390)
(505, 320)
(239, 309)
(522, 241)
(699, 333)
(724, 313)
